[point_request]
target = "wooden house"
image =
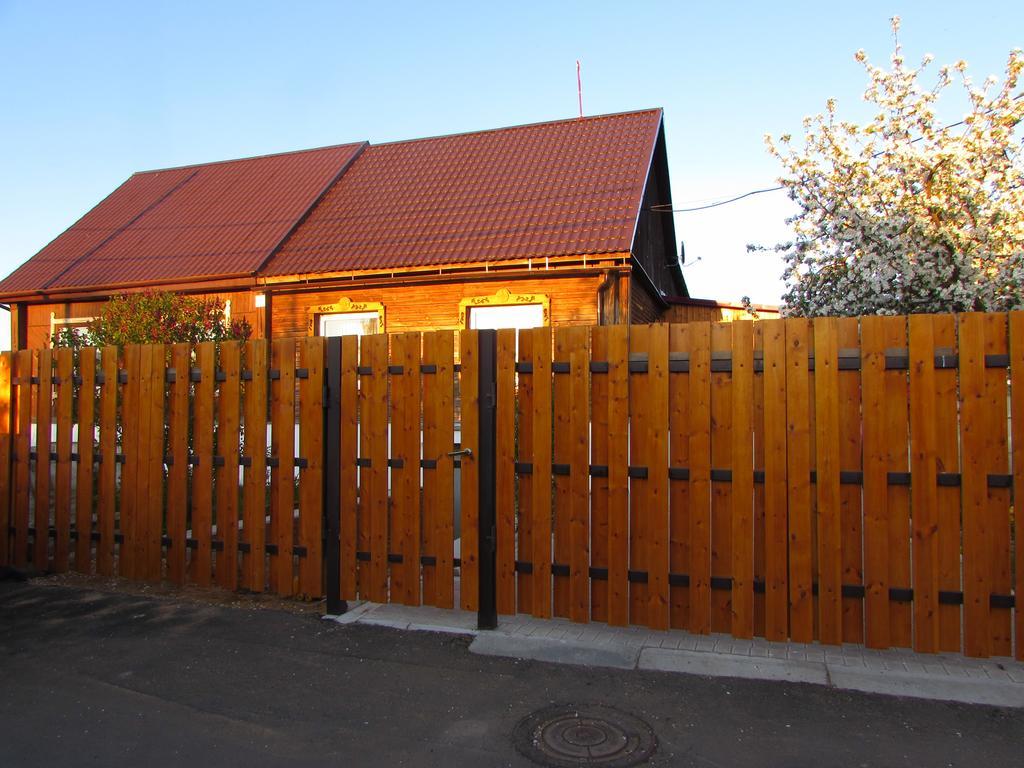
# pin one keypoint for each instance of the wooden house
(553, 223)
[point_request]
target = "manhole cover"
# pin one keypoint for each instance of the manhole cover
(573, 736)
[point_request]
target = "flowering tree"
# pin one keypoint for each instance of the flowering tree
(156, 318)
(904, 214)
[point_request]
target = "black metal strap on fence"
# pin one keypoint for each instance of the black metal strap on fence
(332, 477)
(486, 460)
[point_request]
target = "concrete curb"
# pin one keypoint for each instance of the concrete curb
(630, 652)
(723, 665)
(555, 650)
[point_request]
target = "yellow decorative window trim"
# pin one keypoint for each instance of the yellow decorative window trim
(504, 298)
(342, 306)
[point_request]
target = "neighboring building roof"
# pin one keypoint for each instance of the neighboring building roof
(552, 189)
(217, 219)
(571, 187)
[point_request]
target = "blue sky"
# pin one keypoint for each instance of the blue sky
(94, 91)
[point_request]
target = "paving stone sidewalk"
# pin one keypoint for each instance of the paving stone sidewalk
(898, 672)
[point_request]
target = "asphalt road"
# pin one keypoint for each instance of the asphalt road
(91, 678)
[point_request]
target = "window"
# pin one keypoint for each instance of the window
(345, 318)
(350, 324)
(509, 316)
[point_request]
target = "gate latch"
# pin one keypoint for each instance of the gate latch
(467, 452)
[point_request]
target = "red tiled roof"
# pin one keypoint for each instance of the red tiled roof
(551, 189)
(217, 219)
(562, 188)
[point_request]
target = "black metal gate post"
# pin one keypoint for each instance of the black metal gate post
(487, 611)
(332, 478)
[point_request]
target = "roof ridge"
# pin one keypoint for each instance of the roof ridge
(251, 157)
(538, 124)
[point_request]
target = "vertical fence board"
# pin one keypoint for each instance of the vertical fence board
(923, 487)
(759, 489)
(876, 486)
(228, 428)
(721, 491)
(6, 496)
(524, 483)
(975, 450)
(405, 449)
(829, 531)
(775, 482)
(374, 478)
(131, 424)
(153, 504)
(85, 445)
(469, 389)
(999, 500)
(505, 479)
(561, 387)
(679, 489)
(599, 483)
(947, 458)
(896, 432)
(700, 477)
(62, 491)
(579, 477)
(44, 421)
(106, 502)
(200, 565)
(850, 453)
(177, 472)
(1016, 344)
(798, 462)
(22, 449)
(742, 465)
(311, 477)
(282, 476)
(348, 470)
(618, 475)
(439, 483)
(540, 480)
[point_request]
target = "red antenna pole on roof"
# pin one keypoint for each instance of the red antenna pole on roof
(579, 86)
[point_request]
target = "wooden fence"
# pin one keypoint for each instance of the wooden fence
(845, 480)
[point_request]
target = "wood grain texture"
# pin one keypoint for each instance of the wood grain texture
(798, 472)
(721, 491)
(106, 501)
(561, 393)
(62, 484)
(85, 468)
(775, 482)
(439, 483)
(177, 472)
(1016, 344)
(505, 478)
(524, 483)
(6, 446)
(923, 488)
(405, 486)
(228, 429)
(876, 485)
(700, 477)
(679, 489)
(540, 480)
(349, 473)
(469, 390)
(201, 523)
(618, 475)
(742, 466)
(850, 459)
(829, 513)
(373, 408)
(976, 448)
(22, 448)
(282, 476)
(579, 477)
(311, 477)
(44, 422)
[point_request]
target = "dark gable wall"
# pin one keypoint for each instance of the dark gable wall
(654, 246)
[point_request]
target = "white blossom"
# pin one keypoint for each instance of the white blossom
(904, 214)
